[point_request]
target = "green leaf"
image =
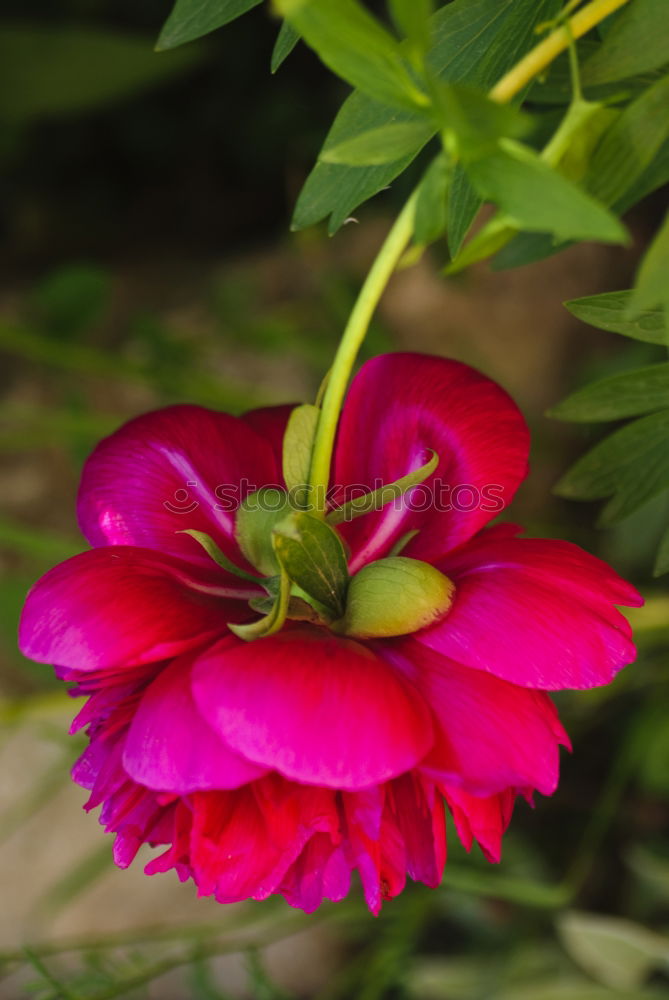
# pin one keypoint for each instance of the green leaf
(652, 284)
(377, 499)
(616, 952)
(65, 70)
(474, 119)
(380, 145)
(632, 464)
(662, 558)
(298, 443)
(312, 554)
(629, 146)
(473, 42)
(191, 19)
(495, 234)
(610, 311)
(213, 551)
(412, 18)
(638, 41)
(286, 41)
(432, 202)
(655, 176)
(464, 203)
(626, 395)
(356, 47)
(539, 199)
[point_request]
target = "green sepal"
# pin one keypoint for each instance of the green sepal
(403, 541)
(273, 621)
(313, 556)
(394, 596)
(298, 444)
(298, 609)
(254, 523)
(377, 499)
(213, 551)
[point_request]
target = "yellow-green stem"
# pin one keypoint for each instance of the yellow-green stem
(354, 333)
(543, 54)
(398, 239)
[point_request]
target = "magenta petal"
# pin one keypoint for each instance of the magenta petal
(491, 735)
(481, 819)
(121, 606)
(400, 406)
(170, 747)
(537, 613)
(319, 709)
(269, 422)
(183, 467)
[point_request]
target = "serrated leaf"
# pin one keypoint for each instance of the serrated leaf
(298, 443)
(65, 70)
(626, 395)
(356, 47)
(616, 952)
(191, 19)
(432, 202)
(662, 557)
(610, 311)
(629, 146)
(286, 41)
(632, 464)
(651, 286)
(538, 199)
(313, 556)
(385, 144)
(474, 42)
(638, 41)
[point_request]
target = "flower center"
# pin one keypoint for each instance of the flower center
(304, 562)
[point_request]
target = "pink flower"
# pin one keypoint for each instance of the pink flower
(283, 764)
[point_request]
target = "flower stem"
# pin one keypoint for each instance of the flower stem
(398, 239)
(354, 333)
(543, 54)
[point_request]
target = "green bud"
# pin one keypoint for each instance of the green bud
(256, 518)
(394, 596)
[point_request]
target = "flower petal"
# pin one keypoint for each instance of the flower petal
(537, 613)
(319, 709)
(183, 467)
(243, 842)
(481, 819)
(269, 422)
(169, 746)
(400, 406)
(121, 606)
(490, 735)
